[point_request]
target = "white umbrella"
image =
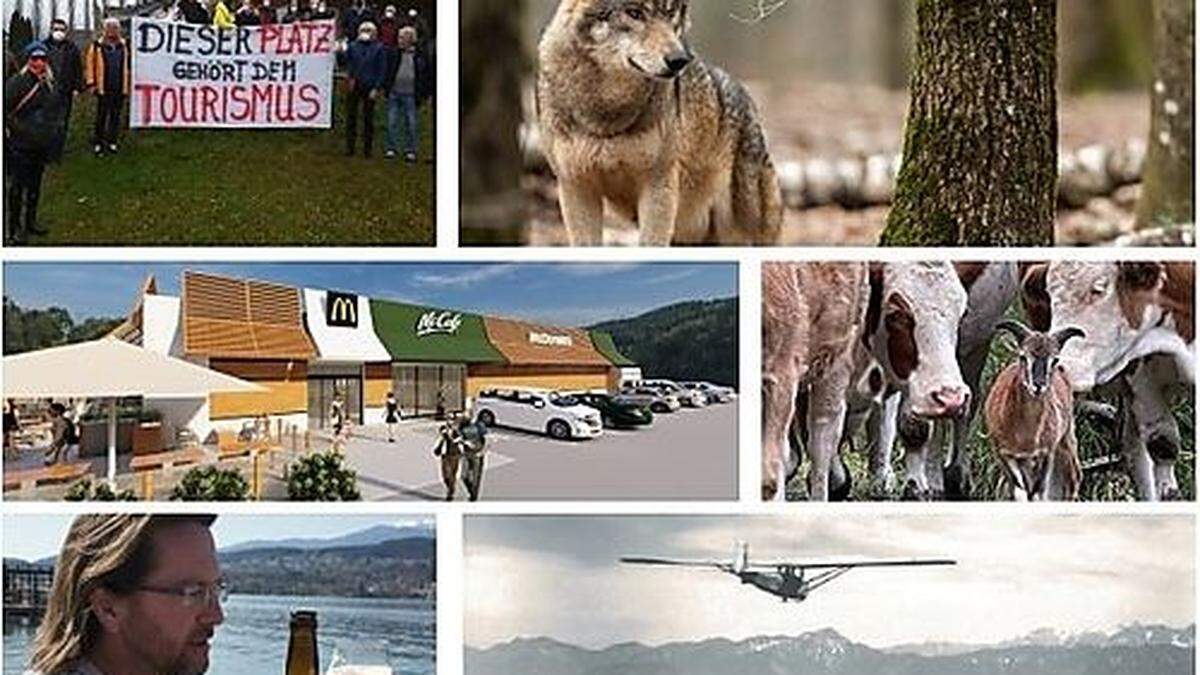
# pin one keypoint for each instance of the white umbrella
(112, 369)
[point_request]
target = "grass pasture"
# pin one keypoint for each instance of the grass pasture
(228, 187)
(1096, 441)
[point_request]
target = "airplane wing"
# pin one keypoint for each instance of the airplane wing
(850, 563)
(637, 560)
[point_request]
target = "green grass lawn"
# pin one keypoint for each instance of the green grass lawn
(1095, 441)
(230, 187)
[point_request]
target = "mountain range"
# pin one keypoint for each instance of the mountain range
(694, 340)
(384, 561)
(1134, 650)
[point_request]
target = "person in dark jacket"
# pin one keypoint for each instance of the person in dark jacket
(66, 62)
(33, 122)
(246, 15)
(406, 85)
(389, 26)
(194, 13)
(266, 14)
(366, 67)
(354, 17)
(107, 73)
(321, 13)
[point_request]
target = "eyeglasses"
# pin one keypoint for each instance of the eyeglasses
(194, 595)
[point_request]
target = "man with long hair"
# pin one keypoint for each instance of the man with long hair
(132, 595)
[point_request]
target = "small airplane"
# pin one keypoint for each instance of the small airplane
(786, 579)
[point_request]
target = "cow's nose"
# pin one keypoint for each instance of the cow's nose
(952, 400)
(677, 61)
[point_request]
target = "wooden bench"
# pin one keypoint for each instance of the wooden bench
(56, 474)
(229, 447)
(148, 465)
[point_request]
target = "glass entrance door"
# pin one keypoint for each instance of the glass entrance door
(418, 387)
(321, 392)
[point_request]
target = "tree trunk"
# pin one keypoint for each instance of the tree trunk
(493, 72)
(1168, 194)
(981, 144)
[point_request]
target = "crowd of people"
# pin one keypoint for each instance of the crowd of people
(385, 58)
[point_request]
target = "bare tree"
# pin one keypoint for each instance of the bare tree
(981, 142)
(1168, 191)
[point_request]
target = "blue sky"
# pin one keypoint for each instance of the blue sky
(565, 294)
(41, 535)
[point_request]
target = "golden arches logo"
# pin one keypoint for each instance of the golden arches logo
(342, 310)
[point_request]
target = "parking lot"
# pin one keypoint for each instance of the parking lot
(687, 455)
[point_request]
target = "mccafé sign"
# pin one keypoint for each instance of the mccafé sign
(438, 323)
(548, 340)
(341, 309)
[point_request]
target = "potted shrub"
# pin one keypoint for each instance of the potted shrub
(85, 490)
(147, 435)
(211, 484)
(322, 477)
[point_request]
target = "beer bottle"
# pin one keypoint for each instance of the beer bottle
(302, 646)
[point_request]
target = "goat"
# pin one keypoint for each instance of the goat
(1030, 417)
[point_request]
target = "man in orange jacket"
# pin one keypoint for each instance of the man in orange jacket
(108, 66)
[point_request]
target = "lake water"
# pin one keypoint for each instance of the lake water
(254, 638)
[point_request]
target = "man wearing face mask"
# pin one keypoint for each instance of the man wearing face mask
(107, 74)
(366, 67)
(66, 63)
(323, 12)
(33, 122)
(266, 14)
(388, 26)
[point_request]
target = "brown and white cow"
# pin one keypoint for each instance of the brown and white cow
(810, 313)
(1138, 317)
(980, 295)
(1129, 310)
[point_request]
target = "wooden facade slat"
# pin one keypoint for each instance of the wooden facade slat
(234, 318)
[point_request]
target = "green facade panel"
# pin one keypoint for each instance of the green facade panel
(412, 333)
(604, 344)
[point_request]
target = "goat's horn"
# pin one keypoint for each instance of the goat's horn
(1015, 328)
(1062, 336)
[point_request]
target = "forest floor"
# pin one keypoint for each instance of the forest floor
(835, 121)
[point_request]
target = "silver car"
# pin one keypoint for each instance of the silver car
(715, 393)
(655, 400)
(688, 397)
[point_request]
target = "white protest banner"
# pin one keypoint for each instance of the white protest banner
(185, 75)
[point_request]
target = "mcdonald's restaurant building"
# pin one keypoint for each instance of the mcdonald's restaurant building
(306, 346)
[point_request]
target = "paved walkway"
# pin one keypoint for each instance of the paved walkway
(687, 455)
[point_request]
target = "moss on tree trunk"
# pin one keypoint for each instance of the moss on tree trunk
(981, 144)
(1168, 193)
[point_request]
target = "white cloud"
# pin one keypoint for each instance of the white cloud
(466, 278)
(1015, 574)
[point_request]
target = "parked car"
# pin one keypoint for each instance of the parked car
(558, 416)
(653, 399)
(688, 397)
(715, 393)
(616, 411)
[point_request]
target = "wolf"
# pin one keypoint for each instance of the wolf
(631, 119)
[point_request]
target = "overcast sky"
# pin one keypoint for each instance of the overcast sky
(559, 577)
(564, 294)
(33, 537)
